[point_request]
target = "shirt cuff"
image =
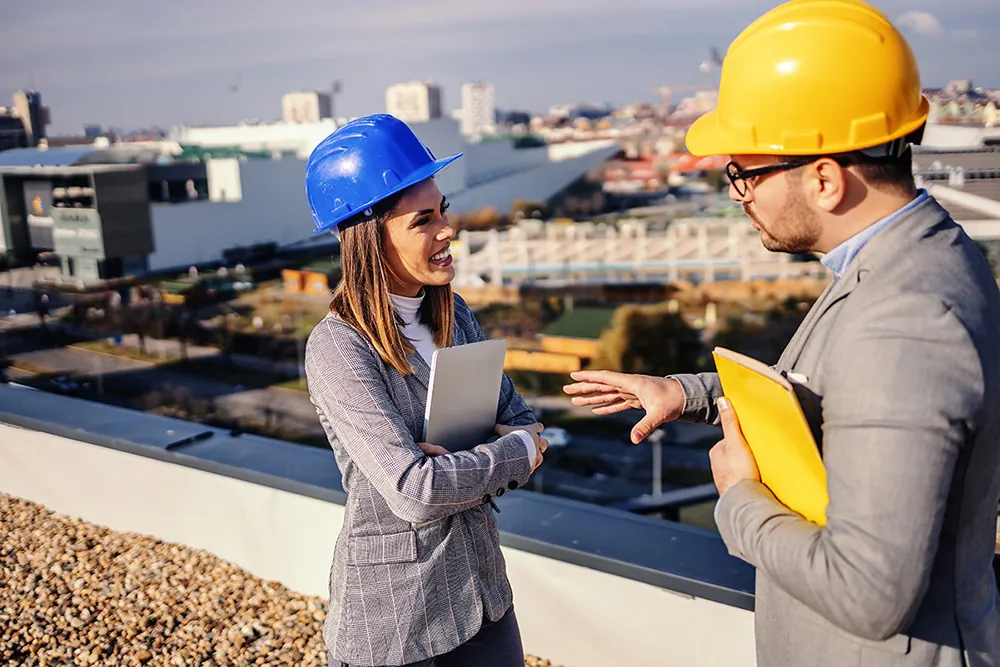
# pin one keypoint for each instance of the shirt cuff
(529, 443)
(715, 512)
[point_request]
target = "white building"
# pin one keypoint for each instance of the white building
(298, 138)
(414, 101)
(478, 109)
(306, 106)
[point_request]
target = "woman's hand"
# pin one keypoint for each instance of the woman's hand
(534, 430)
(432, 450)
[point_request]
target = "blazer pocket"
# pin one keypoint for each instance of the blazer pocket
(899, 644)
(381, 549)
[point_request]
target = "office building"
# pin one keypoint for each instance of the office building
(414, 101)
(306, 106)
(12, 133)
(34, 116)
(478, 109)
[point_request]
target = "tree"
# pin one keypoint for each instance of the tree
(480, 220)
(650, 340)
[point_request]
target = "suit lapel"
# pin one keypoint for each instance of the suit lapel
(421, 371)
(837, 291)
(878, 250)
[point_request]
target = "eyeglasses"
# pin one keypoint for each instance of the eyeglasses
(742, 178)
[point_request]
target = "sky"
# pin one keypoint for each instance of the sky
(136, 63)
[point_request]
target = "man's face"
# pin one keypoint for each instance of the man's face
(777, 206)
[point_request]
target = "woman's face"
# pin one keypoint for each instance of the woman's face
(418, 241)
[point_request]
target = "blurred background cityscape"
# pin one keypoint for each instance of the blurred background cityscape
(156, 251)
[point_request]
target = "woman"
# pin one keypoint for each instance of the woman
(418, 577)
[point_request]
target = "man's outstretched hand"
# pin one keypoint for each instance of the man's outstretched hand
(607, 392)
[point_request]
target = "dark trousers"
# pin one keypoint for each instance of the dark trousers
(497, 644)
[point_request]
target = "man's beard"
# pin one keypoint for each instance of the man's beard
(797, 229)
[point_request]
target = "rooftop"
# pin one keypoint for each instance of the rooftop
(117, 598)
(593, 584)
(966, 159)
(66, 156)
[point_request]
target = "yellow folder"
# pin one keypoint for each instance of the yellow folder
(777, 432)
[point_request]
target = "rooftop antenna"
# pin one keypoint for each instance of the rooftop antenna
(334, 91)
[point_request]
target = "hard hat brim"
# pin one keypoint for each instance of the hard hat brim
(706, 136)
(417, 176)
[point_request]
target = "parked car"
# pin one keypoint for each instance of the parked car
(557, 437)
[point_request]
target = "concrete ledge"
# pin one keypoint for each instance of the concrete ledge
(682, 559)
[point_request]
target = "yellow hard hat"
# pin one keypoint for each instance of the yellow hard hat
(814, 77)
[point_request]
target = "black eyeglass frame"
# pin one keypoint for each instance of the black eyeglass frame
(735, 173)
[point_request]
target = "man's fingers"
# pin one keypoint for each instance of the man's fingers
(597, 399)
(643, 428)
(578, 388)
(727, 417)
(610, 378)
(611, 408)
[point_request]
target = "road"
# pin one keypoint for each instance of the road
(130, 377)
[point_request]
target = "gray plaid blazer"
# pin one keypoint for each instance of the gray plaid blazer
(417, 563)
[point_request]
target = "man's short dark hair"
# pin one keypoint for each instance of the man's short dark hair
(889, 174)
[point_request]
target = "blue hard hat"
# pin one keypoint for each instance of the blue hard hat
(362, 163)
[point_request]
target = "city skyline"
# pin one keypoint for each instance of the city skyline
(179, 63)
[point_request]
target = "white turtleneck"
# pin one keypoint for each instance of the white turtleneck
(420, 335)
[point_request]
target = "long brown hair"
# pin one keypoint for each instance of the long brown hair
(362, 297)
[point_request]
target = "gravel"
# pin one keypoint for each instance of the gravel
(74, 593)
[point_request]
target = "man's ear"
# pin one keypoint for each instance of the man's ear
(825, 182)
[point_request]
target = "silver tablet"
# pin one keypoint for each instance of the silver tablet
(463, 393)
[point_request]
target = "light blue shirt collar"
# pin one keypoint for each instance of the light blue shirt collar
(838, 259)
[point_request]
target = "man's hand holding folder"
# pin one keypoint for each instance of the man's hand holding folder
(732, 460)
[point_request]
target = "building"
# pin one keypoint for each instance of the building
(96, 217)
(960, 137)
(12, 132)
(273, 206)
(306, 106)
(34, 116)
(109, 212)
(414, 101)
(478, 109)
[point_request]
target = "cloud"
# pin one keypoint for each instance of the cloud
(923, 23)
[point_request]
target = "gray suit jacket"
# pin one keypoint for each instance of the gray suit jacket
(904, 352)
(417, 563)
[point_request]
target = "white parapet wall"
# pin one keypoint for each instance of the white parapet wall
(573, 615)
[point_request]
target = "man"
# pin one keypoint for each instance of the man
(818, 104)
